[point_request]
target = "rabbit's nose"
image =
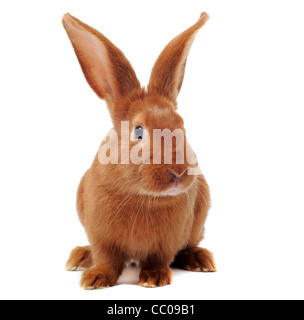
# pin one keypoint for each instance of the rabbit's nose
(177, 176)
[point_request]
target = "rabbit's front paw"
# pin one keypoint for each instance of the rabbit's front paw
(98, 277)
(157, 277)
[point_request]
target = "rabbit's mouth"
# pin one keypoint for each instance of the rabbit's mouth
(172, 181)
(173, 191)
(170, 192)
(176, 189)
(176, 183)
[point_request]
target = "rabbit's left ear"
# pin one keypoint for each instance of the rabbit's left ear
(105, 67)
(168, 71)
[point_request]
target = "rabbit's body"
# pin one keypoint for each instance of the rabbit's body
(149, 211)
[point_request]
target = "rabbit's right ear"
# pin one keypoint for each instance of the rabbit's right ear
(105, 67)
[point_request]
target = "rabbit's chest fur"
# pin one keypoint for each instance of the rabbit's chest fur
(157, 227)
(143, 226)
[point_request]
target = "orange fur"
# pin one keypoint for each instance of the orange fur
(125, 208)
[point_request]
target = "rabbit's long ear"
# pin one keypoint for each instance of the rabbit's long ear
(168, 71)
(105, 67)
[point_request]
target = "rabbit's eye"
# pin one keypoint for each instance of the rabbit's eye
(139, 132)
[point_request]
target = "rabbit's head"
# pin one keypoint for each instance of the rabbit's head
(149, 151)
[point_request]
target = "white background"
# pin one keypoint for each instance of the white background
(242, 101)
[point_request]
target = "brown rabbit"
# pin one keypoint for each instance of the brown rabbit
(151, 212)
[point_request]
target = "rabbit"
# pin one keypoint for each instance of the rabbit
(153, 213)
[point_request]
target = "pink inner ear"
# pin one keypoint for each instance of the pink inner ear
(100, 67)
(94, 61)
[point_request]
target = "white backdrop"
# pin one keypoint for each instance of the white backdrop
(242, 101)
